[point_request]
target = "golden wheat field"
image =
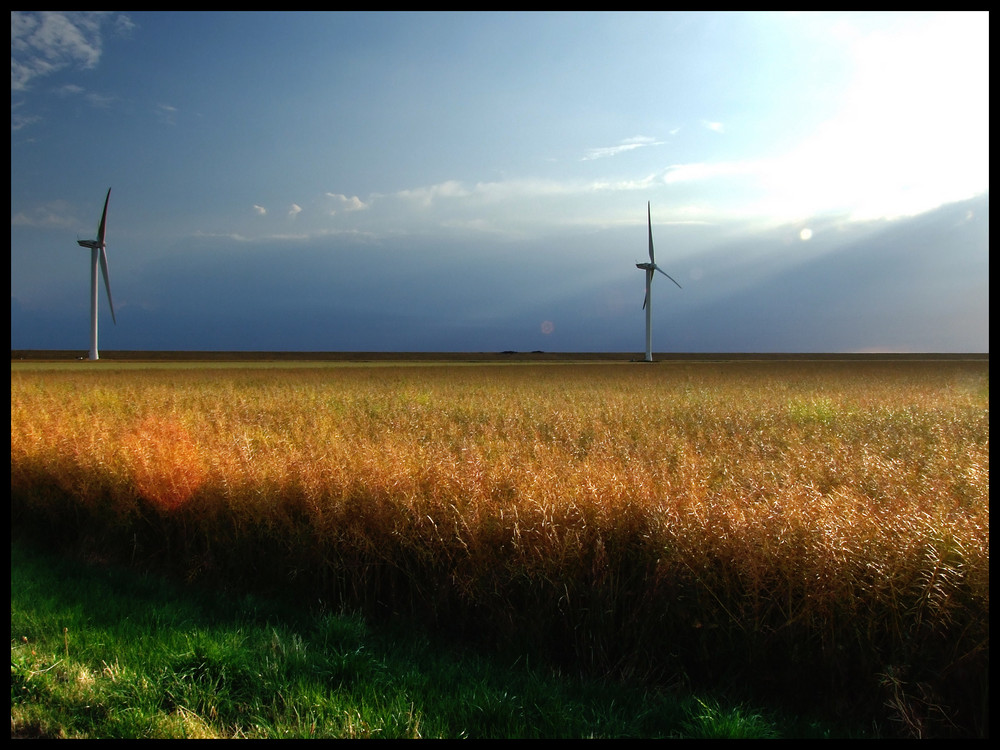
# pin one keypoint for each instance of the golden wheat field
(762, 520)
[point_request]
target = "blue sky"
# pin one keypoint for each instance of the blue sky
(479, 181)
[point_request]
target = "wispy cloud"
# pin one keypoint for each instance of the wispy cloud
(425, 196)
(166, 113)
(53, 215)
(259, 210)
(19, 120)
(94, 99)
(294, 210)
(519, 189)
(629, 144)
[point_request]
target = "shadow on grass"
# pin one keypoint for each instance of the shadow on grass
(105, 652)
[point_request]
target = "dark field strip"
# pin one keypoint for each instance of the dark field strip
(533, 356)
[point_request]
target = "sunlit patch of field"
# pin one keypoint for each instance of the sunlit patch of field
(770, 522)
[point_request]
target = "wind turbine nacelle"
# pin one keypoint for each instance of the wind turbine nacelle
(92, 244)
(644, 266)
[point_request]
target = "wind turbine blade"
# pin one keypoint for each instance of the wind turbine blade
(107, 283)
(645, 300)
(649, 220)
(104, 219)
(668, 276)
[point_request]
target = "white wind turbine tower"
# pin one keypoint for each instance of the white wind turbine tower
(647, 303)
(98, 254)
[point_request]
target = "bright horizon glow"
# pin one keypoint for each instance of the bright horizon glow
(521, 137)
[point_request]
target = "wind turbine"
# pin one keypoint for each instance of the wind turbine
(98, 254)
(649, 268)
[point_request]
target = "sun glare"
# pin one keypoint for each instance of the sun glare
(912, 132)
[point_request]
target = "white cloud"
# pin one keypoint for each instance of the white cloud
(294, 210)
(343, 203)
(43, 42)
(260, 210)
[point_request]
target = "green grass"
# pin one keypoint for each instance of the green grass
(100, 652)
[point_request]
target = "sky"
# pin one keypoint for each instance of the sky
(471, 181)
